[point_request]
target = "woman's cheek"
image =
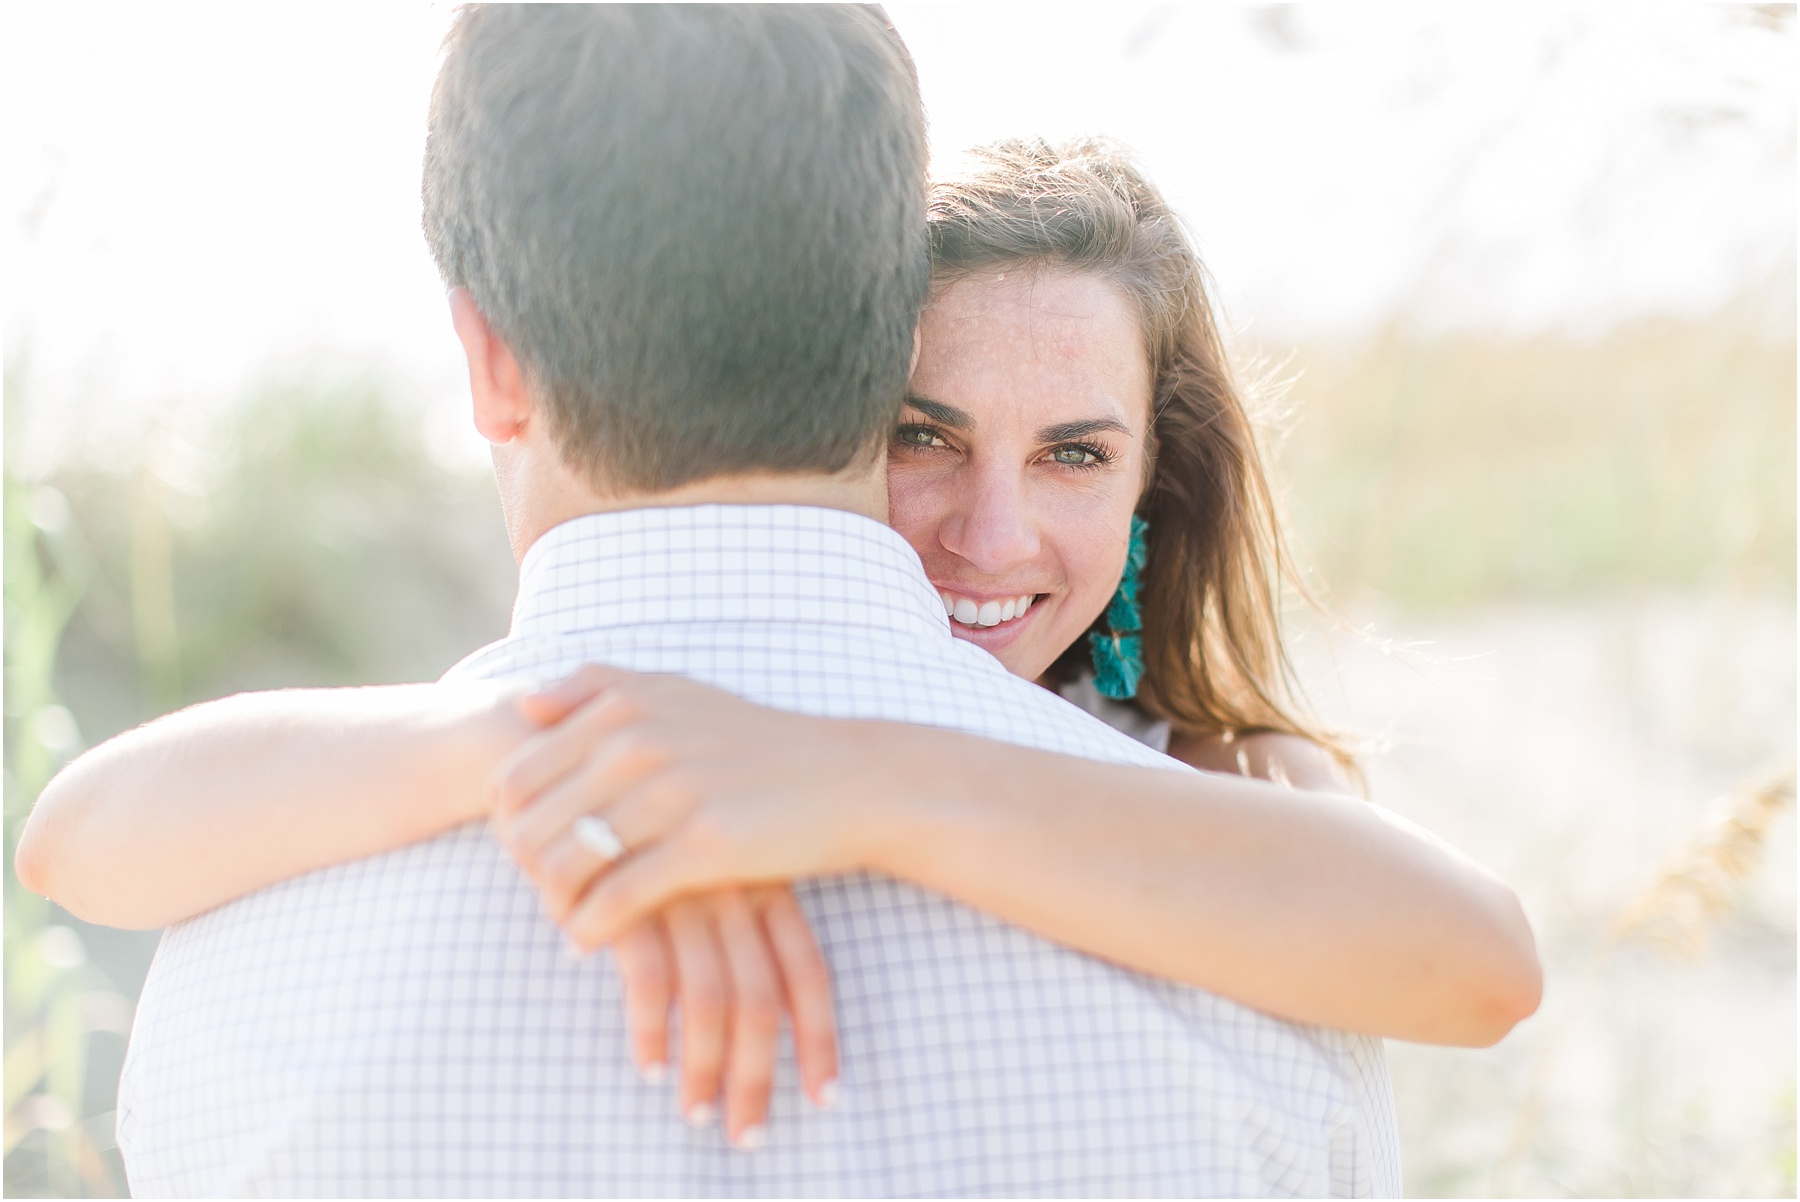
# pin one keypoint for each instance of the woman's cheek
(916, 499)
(1090, 542)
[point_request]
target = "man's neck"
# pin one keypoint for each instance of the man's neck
(536, 501)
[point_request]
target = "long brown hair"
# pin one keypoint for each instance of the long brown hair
(1211, 587)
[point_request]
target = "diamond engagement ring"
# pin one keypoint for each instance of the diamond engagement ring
(597, 835)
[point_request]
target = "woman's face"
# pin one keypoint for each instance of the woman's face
(1020, 455)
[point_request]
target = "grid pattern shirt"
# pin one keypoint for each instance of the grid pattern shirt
(410, 1024)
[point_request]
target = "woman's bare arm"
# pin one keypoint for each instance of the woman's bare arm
(212, 802)
(1302, 900)
(1309, 904)
(208, 804)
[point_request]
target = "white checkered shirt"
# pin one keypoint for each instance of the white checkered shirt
(410, 1024)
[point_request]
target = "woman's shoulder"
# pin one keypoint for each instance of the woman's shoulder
(1266, 755)
(1122, 717)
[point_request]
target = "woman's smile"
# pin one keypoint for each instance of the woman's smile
(971, 611)
(987, 620)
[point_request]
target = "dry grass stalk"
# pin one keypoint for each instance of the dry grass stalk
(1700, 882)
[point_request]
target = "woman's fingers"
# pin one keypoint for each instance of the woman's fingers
(546, 758)
(589, 786)
(564, 868)
(755, 1019)
(635, 887)
(561, 874)
(730, 958)
(807, 983)
(646, 967)
(703, 992)
(550, 705)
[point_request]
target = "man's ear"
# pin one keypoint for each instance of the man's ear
(496, 381)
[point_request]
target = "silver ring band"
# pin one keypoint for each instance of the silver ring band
(597, 835)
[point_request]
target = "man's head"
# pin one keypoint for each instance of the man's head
(698, 229)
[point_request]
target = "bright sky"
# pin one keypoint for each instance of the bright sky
(201, 194)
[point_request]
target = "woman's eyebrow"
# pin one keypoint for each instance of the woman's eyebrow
(1063, 431)
(937, 411)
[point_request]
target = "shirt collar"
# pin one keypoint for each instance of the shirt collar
(722, 563)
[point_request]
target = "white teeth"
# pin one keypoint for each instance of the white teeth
(985, 613)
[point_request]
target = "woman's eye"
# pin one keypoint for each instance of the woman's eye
(1074, 456)
(918, 436)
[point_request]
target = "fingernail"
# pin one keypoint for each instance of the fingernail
(750, 1138)
(828, 1094)
(653, 1074)
(701, 1114)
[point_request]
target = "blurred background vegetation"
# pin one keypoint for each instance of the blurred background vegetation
(1568, 569)
(302, 537)
(1459, 469)
(306, 536)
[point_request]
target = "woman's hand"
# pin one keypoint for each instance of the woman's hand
(702, 788)
(1307, 905)
(732, 957)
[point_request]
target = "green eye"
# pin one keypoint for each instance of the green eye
(916, 436)
(1074, 456)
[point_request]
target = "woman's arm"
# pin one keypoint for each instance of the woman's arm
(215, 801)
(223, 798)
(1309, 905)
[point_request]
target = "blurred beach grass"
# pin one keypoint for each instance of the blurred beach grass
(1574, 562)
(1449, 482)
(1458, 470)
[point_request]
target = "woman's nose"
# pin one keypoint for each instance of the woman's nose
(991, 525)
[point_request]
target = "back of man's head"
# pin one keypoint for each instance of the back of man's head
(700, 228)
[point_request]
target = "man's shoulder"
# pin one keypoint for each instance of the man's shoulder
(1038, 717)
(832, 672)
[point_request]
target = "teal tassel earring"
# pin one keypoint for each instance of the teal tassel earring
(1119, 654)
